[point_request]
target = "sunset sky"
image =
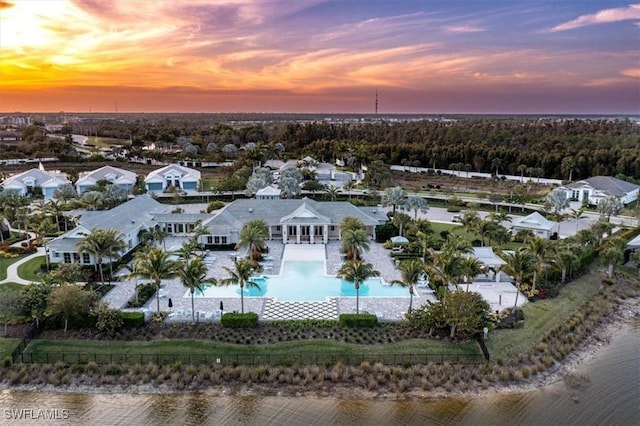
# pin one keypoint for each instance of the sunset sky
(450, 56)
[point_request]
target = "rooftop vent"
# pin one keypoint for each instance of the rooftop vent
(250, 209)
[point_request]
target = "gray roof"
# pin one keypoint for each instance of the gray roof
(635, 243)
(610, 185)
(137, 213)
(375, 213)
(104, 172)
(181, 217)
(487, 257)
(275, 212)
(40, 177)
(187, 174)
(534, 221)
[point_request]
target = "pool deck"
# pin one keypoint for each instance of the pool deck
(499, 294)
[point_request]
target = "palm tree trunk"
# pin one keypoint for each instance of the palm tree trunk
(101, 274)
(533, 285)
(611, 270)
(357, 299)
(158, 296)
(515, 305)
(564, 275)
(66, 323)
(242, 299)
(193, 311)
(410, 301)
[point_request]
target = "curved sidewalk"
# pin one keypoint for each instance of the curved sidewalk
(12, 270)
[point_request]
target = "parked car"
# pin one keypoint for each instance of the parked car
(456, 218)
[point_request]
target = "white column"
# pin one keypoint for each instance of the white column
(312, 234)
(298, 231)
(325, 233)
(285, 237)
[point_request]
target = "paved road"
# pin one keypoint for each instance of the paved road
(12, 270)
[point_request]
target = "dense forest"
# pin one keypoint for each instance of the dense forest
(549, 147)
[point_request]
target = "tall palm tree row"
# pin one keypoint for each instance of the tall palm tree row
(101, 243)
(154, 264)
(519, 264)
(241, 276)
(253, 237)
(356, 272)
(410, 270)
(193, 274)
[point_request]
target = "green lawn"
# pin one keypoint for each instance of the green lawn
(313, 351)
(6, 347)
(541, 316)
(4, 265)
(30, 270)
(10, 288)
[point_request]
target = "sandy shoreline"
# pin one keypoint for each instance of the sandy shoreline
(618, 321)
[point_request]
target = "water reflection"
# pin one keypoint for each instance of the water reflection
(610, 396)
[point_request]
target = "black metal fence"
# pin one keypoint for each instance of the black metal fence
(33, 331)
(234, 360)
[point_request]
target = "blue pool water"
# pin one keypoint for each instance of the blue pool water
(306, 281)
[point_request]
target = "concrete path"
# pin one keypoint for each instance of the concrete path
(12, 270)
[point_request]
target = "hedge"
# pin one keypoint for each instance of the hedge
(358, 320)
(132, 319)
(236, 320)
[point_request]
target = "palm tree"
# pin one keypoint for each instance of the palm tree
(577, 215)
(522, 168)
(193, 274)
(253, 237)
(349, 185)
(423, 240)
(538, 249)
(354, 242)
(566, 258)
(519, 264)
(410, 271)
(613, 253)
(332, 192)
(357, 272)
(154, 264)
(351, 222)
(415, 203)
(568, 166)
(471, 267)
(393, 197)
(55, 208)
(401, 220)
(240, 275)
(496, 163)
(446, 268)
(100, 243)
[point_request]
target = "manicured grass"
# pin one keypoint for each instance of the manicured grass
(10, 288)
(30, 270)
(6, 347)
(4, 264)
(190, 350)
(541, 316)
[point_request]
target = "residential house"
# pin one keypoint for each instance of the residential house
(173, 176)
(536, 223)
(25, 183)
(292, 221)
(594, 189)
(114, 175)
(129, 219)
(268, 193)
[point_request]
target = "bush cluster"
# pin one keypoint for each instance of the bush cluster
(358, 320)
(236, 320)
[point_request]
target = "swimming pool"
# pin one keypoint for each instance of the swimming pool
(306, 281)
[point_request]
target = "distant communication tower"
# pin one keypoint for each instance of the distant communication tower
(376, 102)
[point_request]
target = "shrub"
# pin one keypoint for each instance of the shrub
(144, 293)
(132, 319)
(108, 320)
(236, 320)
(215, 205)
(358, 320)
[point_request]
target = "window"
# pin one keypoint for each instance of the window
(223, 240)
(209, 239)
(216, 240)
(76, 258)
(67, 258)
(179, 228)
(333, 228)
(85, 258)
(170, 228)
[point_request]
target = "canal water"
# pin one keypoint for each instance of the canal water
(609, 395)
